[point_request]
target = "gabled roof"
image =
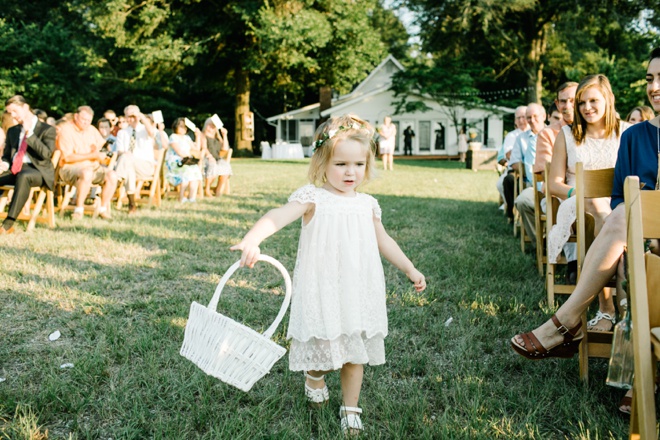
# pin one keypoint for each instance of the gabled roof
(363, 87)
(292, 113)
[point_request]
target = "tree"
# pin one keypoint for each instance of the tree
(515, 38)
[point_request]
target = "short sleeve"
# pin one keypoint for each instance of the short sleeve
(376, 208)
(306, 194)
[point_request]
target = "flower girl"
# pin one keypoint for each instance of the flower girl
(338, 311)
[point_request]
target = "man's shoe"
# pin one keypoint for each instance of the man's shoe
(4, 231)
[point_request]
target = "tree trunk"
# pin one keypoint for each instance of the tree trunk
(535, 73)
(242, 107)
(325, 101)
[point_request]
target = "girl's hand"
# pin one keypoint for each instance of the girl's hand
(418, 280)
(250, 253)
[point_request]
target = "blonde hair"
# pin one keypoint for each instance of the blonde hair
(645, 112)
(336, 130)
(612, 121)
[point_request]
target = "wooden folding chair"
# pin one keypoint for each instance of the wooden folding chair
(32, 211)
(150, 187)
(226, 190)
(516, 191)
(65, 193)
(551, 208)
(643, 218)
(539, 223)
(152, 190)
(590, 184)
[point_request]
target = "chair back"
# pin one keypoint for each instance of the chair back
(589, 184)
(643, 221)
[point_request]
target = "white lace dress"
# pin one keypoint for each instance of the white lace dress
(338, 310)
(595, 154)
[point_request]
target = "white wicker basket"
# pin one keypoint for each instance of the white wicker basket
(228, 350)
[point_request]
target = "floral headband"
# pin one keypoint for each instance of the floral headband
(331, 133)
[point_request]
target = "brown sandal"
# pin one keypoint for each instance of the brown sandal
(534, 350)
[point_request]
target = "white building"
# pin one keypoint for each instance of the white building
(435, 133)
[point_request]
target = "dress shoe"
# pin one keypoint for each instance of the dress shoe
(4, 231)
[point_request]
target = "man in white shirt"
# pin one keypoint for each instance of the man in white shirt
(135, 146)
(503, 155)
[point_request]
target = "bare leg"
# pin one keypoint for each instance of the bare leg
(192, 191)
(599, 266)
(222, 181)
(316, 384)
(351, 385)
(109, 187)
(391, 160)
(383, 157)
(207, 188)
(182, 191)
(83, 185)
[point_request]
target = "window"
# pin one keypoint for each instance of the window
(424, 135)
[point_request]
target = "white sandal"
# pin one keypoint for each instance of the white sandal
(600, 316)
(316, 396)
(350, 422)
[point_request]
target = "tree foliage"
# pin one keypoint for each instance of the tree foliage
(539, 44)
(189, 56)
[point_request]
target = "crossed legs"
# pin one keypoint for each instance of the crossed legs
(599, 267)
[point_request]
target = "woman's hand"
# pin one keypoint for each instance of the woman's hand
(418, 280)
(250, 253)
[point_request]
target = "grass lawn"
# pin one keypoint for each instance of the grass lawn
(120, 292)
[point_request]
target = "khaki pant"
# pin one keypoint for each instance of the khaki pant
(71, 172)
(130, 170)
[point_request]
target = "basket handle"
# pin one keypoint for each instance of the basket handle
(213, 305)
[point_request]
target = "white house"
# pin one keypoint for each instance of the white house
(435, 133)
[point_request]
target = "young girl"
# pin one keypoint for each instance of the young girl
(338, 312)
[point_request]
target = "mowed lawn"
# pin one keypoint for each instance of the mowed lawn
(120, 292)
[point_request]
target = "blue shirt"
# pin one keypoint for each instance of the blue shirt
(524, 150)
(638, 156)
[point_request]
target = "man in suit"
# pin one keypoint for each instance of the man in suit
(26, 160)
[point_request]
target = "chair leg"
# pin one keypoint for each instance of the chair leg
(68, 193)
(50, 208)
(36, 212)
(583, 354)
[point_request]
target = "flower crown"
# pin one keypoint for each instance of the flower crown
(327, 135)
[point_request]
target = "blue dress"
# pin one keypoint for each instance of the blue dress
(638, 156)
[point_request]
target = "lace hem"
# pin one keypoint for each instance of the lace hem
(319, 354)
(560, 232)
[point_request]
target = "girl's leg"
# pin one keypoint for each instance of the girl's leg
(351, 383)
(599, 266)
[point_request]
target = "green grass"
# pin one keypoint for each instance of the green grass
(120, 293)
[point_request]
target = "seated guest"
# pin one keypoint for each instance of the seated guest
(135, 146)
(640, 114)
(185, 176)
(26, 158)
(105, 128)
(215, 150)
(111, 116)
(504, 155)
(80, 165)
(593, 139)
